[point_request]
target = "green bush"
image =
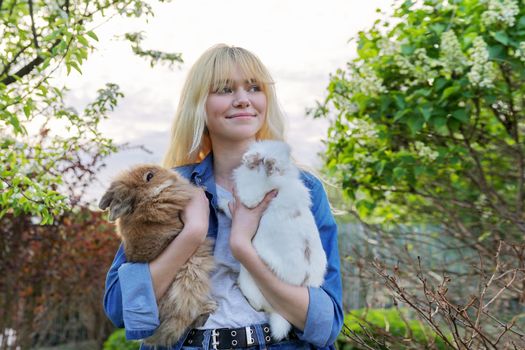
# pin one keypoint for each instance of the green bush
(117, 341)
(387, 327)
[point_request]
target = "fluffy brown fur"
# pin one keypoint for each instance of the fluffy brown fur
(147, 202)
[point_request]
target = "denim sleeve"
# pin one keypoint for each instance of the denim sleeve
(325, 317)
(129, 299)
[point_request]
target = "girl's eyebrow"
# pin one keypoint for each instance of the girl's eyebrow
(236, 82)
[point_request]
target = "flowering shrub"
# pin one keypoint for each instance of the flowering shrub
(432, 112)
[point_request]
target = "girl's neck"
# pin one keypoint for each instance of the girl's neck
(226, 158)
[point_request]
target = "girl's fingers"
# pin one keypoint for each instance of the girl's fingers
(267, 199)
(265, 202)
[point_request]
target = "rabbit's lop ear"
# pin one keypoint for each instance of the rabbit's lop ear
(106, 200)
(120, 207)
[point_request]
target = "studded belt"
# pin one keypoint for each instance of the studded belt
(228, 338)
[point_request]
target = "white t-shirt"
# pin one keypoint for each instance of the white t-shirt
(233, 310)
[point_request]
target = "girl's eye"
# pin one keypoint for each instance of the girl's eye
(225, 90)
(254, 88)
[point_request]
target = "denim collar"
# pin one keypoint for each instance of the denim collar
(202, 175)
(204, 169)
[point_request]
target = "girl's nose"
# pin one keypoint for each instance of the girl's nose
(241, 99)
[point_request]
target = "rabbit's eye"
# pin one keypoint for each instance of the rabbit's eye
(149, 176)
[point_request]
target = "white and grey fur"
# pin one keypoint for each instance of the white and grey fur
(287, 238)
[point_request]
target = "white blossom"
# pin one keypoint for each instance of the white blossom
(520, 53)
(424, 151)
(451, 57)
(352, 108)
(364, 80)
(501, 11)
(420, 67)
(361, 128)
(388, 47)
(363, 158)
(404, 64)
(482, 205)
(482, 72)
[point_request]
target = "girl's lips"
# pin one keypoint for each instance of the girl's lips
(240, 115)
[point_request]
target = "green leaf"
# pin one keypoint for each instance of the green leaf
(19, 129)
(496, 52)
(75, 65)
(92, 35)
(449, 91)
(384, 102)
(423, 92)
(419, 170)
(484, 236)
(407, 49)
(415, 123)
(27, 110)
(438, 28)
(490, 99)
(400, 101)
(502, 37)
(380, 166)
(82, 40)
(426, 111)
(399, 173)
(521, 22)
(439, 123)
(440, 83)
(401, 114)
(461, 115)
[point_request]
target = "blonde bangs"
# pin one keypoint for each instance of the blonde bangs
(228, 59)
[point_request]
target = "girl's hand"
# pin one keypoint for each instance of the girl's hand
(196, 216)
(245, 222)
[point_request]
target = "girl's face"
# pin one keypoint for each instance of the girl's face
(237, 112)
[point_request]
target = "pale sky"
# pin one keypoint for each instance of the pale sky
(300, 41)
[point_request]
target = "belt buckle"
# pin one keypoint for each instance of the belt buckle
(214, 340)
(249, 338)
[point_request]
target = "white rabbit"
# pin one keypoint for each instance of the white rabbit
(287, 238)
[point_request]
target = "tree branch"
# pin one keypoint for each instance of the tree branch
(12, 8)
(489, 191)
(28, 68)
(33, 29)
(23, 71)
(514, 131)
(15, 57)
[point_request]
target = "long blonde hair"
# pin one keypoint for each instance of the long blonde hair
(190, 141)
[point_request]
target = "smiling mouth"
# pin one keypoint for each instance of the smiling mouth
(241, 115)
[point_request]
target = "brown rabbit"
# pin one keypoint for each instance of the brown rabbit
(147, 202)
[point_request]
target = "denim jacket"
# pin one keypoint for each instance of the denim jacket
(129, 299)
